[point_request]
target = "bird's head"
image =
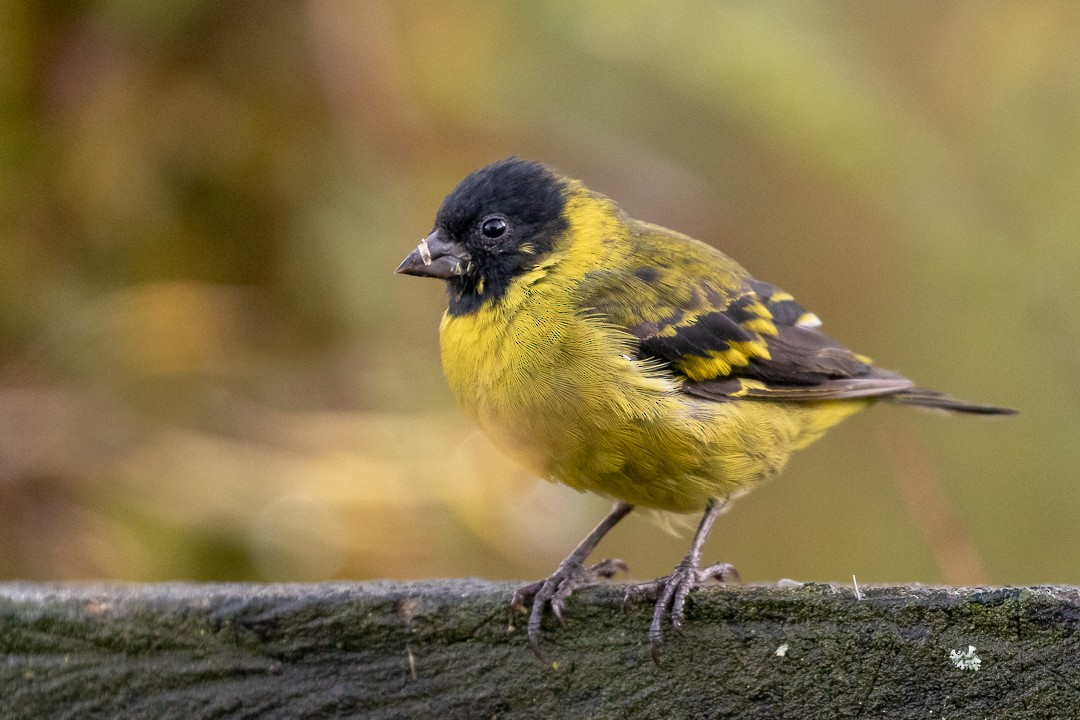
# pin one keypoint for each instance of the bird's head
(495, 225)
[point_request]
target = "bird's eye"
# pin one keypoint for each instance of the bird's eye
(493, 227)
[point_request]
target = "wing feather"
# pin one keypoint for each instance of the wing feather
(726, 334)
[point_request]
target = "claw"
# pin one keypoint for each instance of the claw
(554, 592)
(534, 645)
(671, 594)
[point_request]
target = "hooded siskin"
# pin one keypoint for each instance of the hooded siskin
(629, 360)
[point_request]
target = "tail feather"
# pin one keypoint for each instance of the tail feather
(937, 401)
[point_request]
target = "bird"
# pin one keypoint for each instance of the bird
(622, 358)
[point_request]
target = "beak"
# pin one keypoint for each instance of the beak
(435, 257)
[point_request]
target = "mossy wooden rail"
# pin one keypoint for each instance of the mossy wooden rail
(442, 649)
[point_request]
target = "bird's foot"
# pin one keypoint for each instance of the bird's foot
(554, 592)
(671, 593)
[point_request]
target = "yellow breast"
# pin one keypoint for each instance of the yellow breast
(544, 381)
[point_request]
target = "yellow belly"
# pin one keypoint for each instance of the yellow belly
(559, 392)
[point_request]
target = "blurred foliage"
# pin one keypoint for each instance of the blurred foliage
(208, 370)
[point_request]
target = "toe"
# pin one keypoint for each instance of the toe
(534, 630)
(536, 614)
(721, 572)
(558, 602)
(607, 569)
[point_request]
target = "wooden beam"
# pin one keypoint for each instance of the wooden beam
(442, 649)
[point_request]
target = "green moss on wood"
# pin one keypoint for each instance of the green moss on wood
(444, 649)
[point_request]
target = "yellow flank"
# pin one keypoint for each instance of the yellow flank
(559, 389)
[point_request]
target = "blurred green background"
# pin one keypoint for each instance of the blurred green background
(208, 369)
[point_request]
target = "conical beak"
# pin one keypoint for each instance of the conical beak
(437, 258)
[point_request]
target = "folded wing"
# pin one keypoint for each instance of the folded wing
(726, 334)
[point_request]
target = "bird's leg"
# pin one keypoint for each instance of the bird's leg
(570, 574)
(673, 590)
